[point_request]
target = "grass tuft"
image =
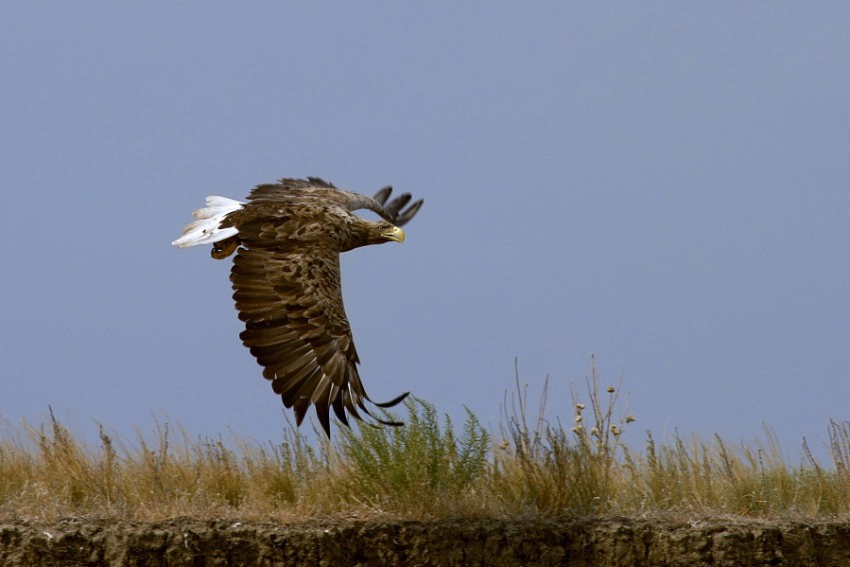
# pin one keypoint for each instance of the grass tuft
(418, 468)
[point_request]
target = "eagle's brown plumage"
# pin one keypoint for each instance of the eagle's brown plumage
(287, 288)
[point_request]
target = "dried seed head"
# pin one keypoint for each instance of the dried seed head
(610, 389)
(578, 418)
(580, 406)
(630, 418)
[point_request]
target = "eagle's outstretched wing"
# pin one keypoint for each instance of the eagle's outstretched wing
(296, 327)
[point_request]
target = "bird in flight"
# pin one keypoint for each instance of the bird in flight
(286, 281)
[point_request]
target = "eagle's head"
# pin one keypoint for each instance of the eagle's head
(387, 232)
(364, 233)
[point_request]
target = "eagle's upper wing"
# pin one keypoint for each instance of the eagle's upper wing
(388, 211)
(319, 190)
(291, 302)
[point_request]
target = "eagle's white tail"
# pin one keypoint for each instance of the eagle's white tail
(206, 228)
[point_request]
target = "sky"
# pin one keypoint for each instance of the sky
(665, 186)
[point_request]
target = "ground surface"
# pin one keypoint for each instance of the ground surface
(411, 543)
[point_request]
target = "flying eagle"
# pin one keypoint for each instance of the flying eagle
(286, 282)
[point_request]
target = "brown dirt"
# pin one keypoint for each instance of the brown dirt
(620, 542)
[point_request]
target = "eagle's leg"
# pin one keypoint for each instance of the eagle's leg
(224, 248)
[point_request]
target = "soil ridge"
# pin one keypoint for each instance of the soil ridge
(511, 543)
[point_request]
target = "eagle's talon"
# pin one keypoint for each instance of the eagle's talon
(225, 248)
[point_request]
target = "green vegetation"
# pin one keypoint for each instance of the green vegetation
(422, 470)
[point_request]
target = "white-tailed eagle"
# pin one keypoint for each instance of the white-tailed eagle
(286, 282)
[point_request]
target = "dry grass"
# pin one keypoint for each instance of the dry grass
(423, 470)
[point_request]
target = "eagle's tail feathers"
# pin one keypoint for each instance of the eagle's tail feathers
(206, 229)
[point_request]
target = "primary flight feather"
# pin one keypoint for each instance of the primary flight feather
(286, 281)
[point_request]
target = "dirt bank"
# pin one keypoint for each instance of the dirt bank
(186, 542)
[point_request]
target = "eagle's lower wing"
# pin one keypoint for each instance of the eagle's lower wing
(295, 326)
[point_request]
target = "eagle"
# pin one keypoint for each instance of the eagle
(286, 281)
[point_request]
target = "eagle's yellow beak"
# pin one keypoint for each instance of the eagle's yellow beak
(395, 234)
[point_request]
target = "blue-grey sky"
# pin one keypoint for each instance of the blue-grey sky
(665, 185)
